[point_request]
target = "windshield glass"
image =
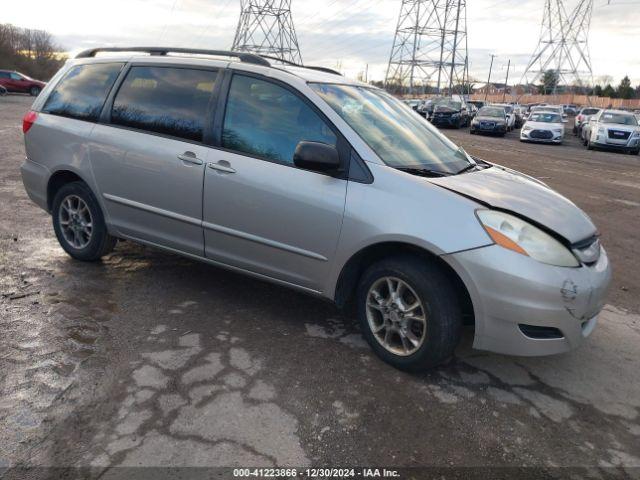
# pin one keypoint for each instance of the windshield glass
(491, 112)
(507, 108)
(590, 111)
(545, 117)
(619, 118)
(401, 138)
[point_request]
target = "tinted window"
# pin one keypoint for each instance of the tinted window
(5, 75)
(82, 91)
(15, 76)
(268, 121)
(172, 101)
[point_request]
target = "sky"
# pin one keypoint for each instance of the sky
(347, 33)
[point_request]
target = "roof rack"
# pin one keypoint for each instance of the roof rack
(242, 56)
(310, 67)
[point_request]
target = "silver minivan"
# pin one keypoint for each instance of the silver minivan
(302, 177)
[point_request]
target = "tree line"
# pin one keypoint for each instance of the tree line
(624, 90)
(29, 51)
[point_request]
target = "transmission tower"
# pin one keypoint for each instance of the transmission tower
(563, 46)
(266, 27)
(430, 46)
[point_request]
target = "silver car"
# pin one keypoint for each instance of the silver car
(613, 130)
(307, 179)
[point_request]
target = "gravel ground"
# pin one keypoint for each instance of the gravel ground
(149, 359)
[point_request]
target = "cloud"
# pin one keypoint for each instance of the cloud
(355, 33)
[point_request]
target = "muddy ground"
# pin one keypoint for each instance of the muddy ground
(148, 359)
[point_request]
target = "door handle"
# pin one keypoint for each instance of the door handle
(190, 157)
(222, 166)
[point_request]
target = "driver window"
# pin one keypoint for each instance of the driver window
(265, 120)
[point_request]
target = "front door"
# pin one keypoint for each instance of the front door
(149, 161)
(260, 212)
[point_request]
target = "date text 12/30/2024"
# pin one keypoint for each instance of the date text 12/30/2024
(315, 473)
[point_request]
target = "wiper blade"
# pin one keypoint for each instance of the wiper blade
(471, 166)
(423, 172)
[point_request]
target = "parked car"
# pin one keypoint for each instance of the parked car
(473, 111)
(545, 127)
(570, 110)
(413, 103)
(583, 117)
(317, 182)
(509, 113)
(448, 112)
(613, 130)
(491, 120)
(16, 82)
(477, 103)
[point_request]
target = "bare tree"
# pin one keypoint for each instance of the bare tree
(29, 51)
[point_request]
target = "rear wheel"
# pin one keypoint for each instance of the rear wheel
(409, 313)
(79, 223)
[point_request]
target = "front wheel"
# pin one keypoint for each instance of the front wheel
(409, 313)
(34, 91)
(79, 223)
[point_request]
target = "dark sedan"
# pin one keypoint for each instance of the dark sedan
(491, 120)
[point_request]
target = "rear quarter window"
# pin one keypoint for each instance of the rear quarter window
(82, 91)
(165, 100)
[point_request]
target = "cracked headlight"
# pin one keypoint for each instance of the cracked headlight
(515, 234)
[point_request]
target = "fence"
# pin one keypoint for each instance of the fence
(567, 99)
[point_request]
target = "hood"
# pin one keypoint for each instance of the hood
(544, 125)
(489, 119)
(619, 126)
(445, 109)
(511, 191)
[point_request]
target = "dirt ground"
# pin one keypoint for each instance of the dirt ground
(149, 359)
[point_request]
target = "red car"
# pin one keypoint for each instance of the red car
(20, 83)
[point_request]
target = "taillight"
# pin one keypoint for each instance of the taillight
(28, 120)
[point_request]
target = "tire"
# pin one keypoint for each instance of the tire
(589, 145)
(34, 91)
(440, 307)
(98, 242)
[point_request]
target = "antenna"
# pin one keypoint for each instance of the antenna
(563, 45)
(266, 27)
(430, 46)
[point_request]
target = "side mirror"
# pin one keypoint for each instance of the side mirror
(317, 157)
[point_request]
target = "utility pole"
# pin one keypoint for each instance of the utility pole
(266, 27)
(486, 90)
(506, 82)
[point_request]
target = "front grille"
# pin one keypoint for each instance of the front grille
(619, 135)
(537, 332)
(541, 134)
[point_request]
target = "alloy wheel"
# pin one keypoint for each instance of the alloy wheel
(75, 221)
(396, 316)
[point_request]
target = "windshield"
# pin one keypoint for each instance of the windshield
(401, 138)
(508, 108)
(619, 119)
(590, 111)
(545, 117)
(491, 112)
(447, 102)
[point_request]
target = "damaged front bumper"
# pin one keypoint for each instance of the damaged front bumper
(524, 307)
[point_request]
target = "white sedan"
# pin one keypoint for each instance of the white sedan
(541, 126)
